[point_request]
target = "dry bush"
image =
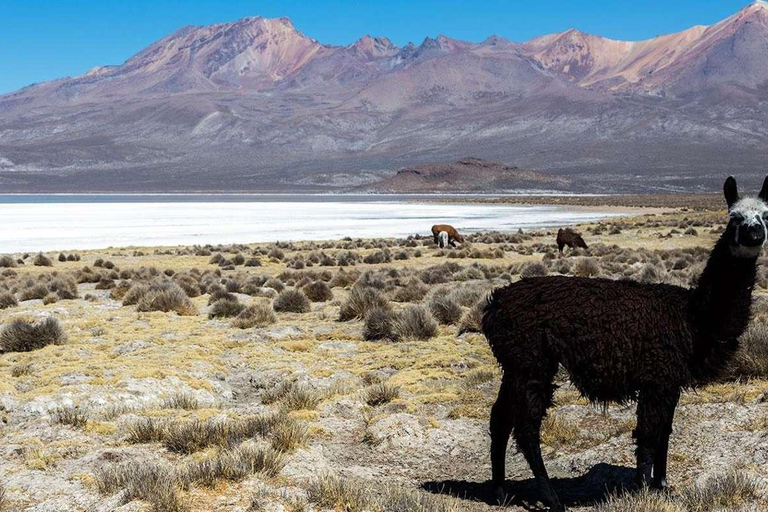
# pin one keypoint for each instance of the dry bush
(7, 300)
(276, 253)
(233, 465)
(287, 435)
(415, 323)
(226, 308)
(142, 480)
(51, 298)
(444, 308)
(252, 262)
(556, 431)
(380, 324)
(380, 393)
(360, 301)
(33, 291)
(722, 492)
(3, 501)
(533, 269)
(21, 369)
(343, 279)
(472, 319)
(41, 260)
(23, 335)
(259, 314)
(64, 287)
(7, 262)
(292, 396)
(70, 415)
(166, 297)
(184, 401)
(751, 360)
(586, 267)
(275, 284)
(413, 291)
(135, 294)
(318, 291)
(144, 430)
(329, 492)
(292, 301)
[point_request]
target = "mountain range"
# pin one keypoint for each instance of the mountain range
(255, 105)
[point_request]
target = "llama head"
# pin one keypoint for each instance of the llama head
(746, 230)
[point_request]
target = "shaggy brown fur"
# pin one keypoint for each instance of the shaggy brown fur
(570, 238)
(619, 341)
(453, 235)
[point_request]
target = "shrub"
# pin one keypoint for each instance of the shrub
(62, 257)
(259, 314)
(252, 262)
(318, 291)
(70, 415)
(51, 298)
(361, 300)
(275, 284)
(7, 262)
(142, 480)
(64, 287)
(413, 291)
(472, 319)
(292, 396)
(166, 297)
(586, 267)
(183, 401)
(415, 323)
(276, 253)
(225, 308)
(134, 294)
(379, 324)
(380, 393)
(444, 308)
(7, 300)
(292, 301)
(287, 435)
(533, 269)
(238, 259)
(751, 360)
(42, 260)
(233, 465)
(35, 291)
(21, 335)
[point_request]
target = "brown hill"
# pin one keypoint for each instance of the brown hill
(468, 175)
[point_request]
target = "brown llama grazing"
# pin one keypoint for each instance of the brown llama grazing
(620, 341)
(453, 235)
(570, 238)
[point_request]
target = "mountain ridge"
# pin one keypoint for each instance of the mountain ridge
(258, 101)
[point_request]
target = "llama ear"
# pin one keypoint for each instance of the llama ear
(764, 191)
(731, 192)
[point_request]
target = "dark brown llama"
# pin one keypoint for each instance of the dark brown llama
(570, 238)
(453, 235)
(620, 341)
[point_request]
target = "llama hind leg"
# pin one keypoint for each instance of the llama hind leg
(527, 433)
(501, 427)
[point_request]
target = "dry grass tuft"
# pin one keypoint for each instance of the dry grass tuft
(233, 465)
(292, 301)
(70, 415)
(360, 301)
(142, 480)
(183, 401)
(292, 396)
(318, 291)
(380, 393)
(23, 335)
(7, 300)
(557, 432)
(257, 315)
(415, 323)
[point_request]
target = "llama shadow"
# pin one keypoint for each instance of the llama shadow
(588, 489)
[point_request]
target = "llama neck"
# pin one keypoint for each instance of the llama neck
(720, 307)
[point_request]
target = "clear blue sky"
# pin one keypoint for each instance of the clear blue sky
(46, 39)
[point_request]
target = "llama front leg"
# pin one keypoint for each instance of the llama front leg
(660, 460)
(655, 410)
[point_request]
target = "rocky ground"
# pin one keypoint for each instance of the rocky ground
(355, 380)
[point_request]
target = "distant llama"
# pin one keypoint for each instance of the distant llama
(570, 238)
(442, 239)
(453, 235)
(619, 341)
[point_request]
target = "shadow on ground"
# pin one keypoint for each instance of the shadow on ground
(588, 489)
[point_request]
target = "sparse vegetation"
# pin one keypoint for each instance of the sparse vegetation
(292, 301)
(360, 301)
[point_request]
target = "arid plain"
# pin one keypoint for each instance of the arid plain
(345, 375)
